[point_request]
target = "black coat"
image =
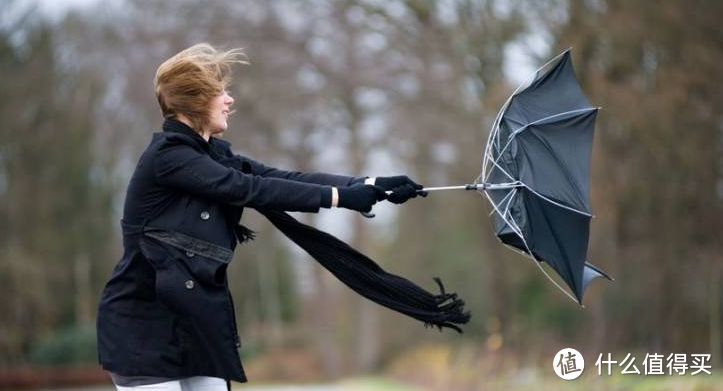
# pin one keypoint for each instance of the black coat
(167, 310)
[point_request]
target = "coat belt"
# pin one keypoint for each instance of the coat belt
(188, 243)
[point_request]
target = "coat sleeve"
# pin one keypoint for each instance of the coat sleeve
(320, 178)
(183, 168)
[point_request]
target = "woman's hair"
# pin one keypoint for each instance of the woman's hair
(187, 82)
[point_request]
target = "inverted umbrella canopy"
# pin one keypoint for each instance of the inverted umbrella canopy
(536, 173)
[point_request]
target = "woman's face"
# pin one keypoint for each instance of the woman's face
(220, 109)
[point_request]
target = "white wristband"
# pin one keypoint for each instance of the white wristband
(370, 181)
(334, 197)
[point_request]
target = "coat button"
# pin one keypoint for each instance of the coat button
(205, 215)
(190, 284)
(190, 254)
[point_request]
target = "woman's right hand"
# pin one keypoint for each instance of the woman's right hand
(360, 197)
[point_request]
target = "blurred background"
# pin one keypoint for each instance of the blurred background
(373, 87)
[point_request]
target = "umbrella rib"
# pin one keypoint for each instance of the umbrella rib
(505, 199)
(551, 61)
(496, 160)
(509, 204)
(494, 132)
(494, 163)
(488, 146)
(509, 201)
(502, 216)
(555, 202)
(508, 175)
(537, 121)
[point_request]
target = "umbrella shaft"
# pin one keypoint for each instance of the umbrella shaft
(475, 186)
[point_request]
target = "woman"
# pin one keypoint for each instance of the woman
(166, 319)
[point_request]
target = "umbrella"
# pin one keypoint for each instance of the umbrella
(535, 174)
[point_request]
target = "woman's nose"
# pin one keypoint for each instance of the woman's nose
(229, 99)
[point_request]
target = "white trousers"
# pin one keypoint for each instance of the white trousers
(196, 383)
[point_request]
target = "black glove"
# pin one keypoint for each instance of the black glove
(360, 197)
(402, 194)
(390, 182)
(403, 188)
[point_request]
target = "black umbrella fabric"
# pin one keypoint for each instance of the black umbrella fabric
(536, 173)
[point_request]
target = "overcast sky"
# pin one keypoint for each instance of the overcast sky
(57, 8)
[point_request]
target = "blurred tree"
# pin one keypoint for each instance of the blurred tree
(54, 203)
